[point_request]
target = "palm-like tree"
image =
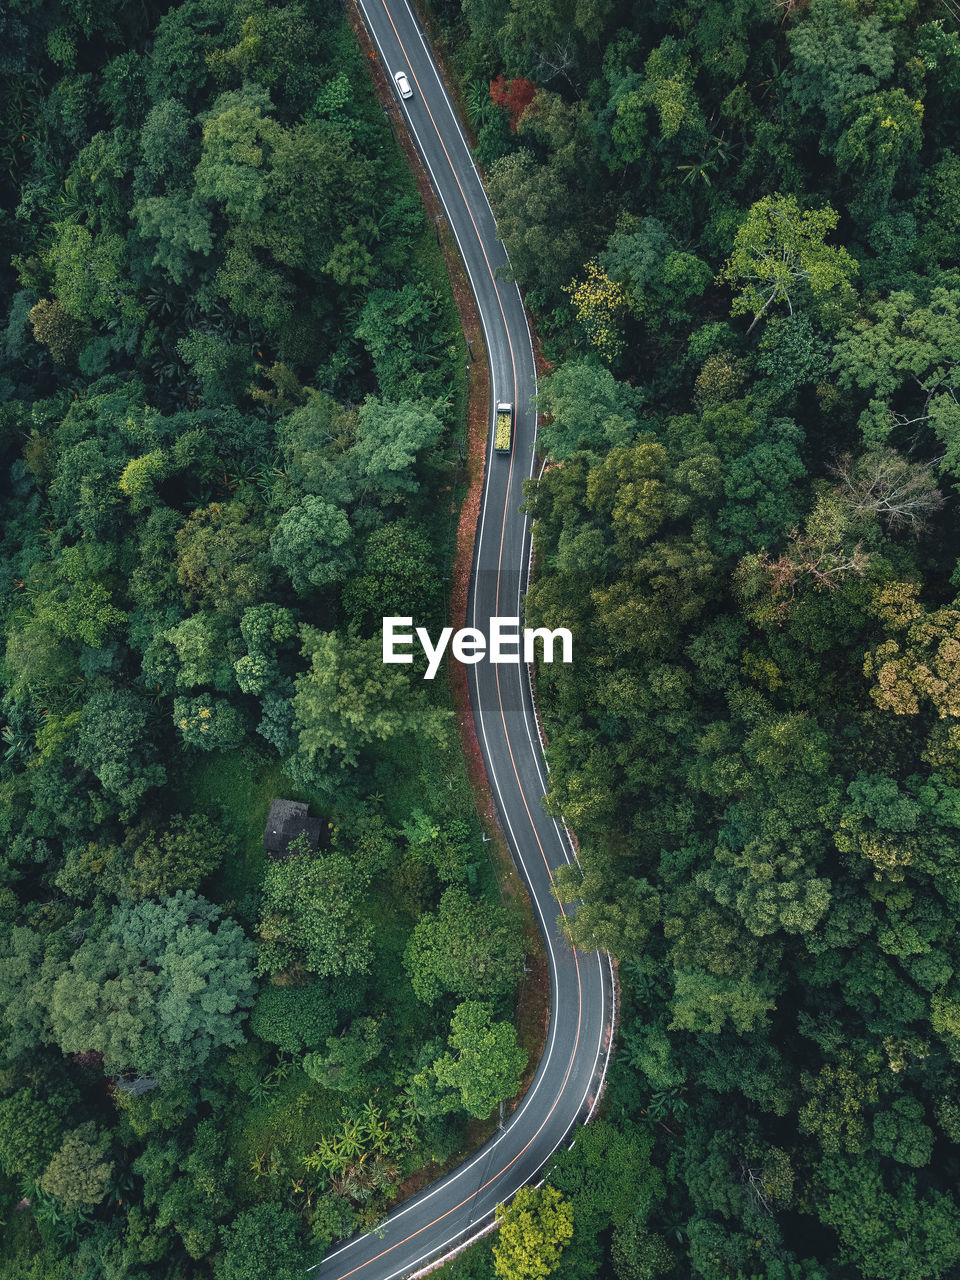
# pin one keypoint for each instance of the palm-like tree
(328, 1155)
(352, 1140)
(374, 1128)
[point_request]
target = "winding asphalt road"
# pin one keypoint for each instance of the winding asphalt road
(460, 1206)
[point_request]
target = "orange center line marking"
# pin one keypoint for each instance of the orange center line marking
(509, 1164)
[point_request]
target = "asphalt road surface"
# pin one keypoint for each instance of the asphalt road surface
(459, 1206)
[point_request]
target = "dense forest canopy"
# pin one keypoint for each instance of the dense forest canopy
(232, 384)
(739, 225)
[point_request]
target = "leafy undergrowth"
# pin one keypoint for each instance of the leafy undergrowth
(270, 1135)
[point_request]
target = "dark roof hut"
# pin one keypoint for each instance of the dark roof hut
(288, 820)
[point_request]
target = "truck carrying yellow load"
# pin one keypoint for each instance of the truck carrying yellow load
(503, 428)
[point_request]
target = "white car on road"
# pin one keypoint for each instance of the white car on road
(403, 84)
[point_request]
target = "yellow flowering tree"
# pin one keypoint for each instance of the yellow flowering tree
(208, 723)
(599, 303)
(533, 1233)
(884, 134)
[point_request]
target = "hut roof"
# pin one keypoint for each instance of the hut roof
(287, 821)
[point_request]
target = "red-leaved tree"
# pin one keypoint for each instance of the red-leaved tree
(513, 95)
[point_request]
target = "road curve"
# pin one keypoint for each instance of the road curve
(460, 1206)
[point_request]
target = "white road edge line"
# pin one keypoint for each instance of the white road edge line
(486, 1151)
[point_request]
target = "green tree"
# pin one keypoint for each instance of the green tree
(267, 630)
(533, 203)
(312, 543)
(704, 1002)
(211, 724)
(349, 699)
(896, 1234)
(834, 1112)
(88, 272)
(178, 225)
(608, 1175)
(838, 55)
(399, 327)
(181, 857)
(221, 368)
(396, 577)
(668, 88)
(536, 22)
(262, 1240)
(23, 991)
(901, 1134)
(662, 280)
(57, 329)
(294, 1017)
(139, 479)
(222, 555)
(202, 646)
(467, 948)
(884, 133)
(585, 407)
(31, 1130)
(169, 142)
(344, 1066)
(628, 488)
(165, 987)
(79, 607)
(239, 137)
(639, 1254)
(938, 208)
(780, 253)
(392, 440)
(261, 293)
(912, 347)
(915, 666)
(486, 1064)
(113, 743)
(79, 1173)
